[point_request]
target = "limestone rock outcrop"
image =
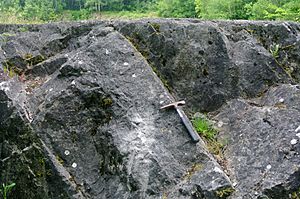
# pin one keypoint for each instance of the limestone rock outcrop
(80, 117)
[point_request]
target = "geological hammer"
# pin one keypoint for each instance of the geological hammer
(195, 137)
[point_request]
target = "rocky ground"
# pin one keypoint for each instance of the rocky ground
(80, 117)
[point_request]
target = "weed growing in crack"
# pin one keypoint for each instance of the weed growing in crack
(6, 188)
(204, 127)
(274, 50)
(9, 71)
(207, 131)
(296, 194)
(224, 193)
(23, 29)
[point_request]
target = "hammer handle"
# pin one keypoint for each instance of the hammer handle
(195, 136)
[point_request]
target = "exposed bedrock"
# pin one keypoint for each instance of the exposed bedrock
(80, 117)
(208, 63)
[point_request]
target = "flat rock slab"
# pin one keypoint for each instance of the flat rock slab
(263, 143)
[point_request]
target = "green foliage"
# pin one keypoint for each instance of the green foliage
(275, 10)
(249, 9)
(176, 8)
(7, 34)
(59, 160)
(204, 128)
(39, 9)
(9, 71)
(6, 188)
(44, 10)
(95, 4)
(9, 5)
(124, 15)
(79, 14)
(106, 102)
(296, 194)
(274, 50)
(16, 11)
(225, 192)
(222, 9)
(23, 29)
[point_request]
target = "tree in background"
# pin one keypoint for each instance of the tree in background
(293, 10)
(222, 9)
(275, 9)
(49, 10)
(213, 9)
(176, 8)
(249, 9)
(39, 9)
(9, 5)
(95, 5)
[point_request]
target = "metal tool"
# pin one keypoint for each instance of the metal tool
(192, 132)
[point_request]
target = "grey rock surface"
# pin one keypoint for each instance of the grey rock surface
(263, 143)
(208, 62)
(80, 111)
(94, 102)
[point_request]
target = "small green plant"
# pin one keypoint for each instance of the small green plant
(224, 193)
(23, 29)
(6, 188)
(4, 37)
(296, 194)
(9, 71)
(59, 160)
(274, 50)
(5, 70)
(204, 127)
(7, 34)
(106, 102)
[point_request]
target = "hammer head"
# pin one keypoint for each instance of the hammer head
(174, 104)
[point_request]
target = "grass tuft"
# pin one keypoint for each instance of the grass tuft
(204, 127)
(207, 131)
(274, 50)
(6, 188)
